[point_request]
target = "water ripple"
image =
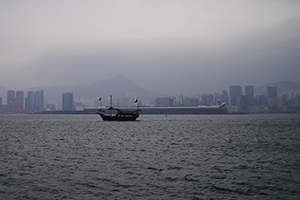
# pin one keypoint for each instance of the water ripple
(157, 157)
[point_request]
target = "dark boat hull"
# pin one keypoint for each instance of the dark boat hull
(131, 117)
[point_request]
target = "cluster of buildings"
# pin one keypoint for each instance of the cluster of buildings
(34, 102)
(236, 101)
(239, 101)
(271, 102)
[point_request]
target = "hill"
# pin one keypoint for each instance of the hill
(283, 86)
(117, 86)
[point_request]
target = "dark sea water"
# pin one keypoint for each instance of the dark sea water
(156, 157)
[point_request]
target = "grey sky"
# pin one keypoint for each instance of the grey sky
(167, 46)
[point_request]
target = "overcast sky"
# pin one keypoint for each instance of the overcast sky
(167, 46)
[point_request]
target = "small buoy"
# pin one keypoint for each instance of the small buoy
(248, 123)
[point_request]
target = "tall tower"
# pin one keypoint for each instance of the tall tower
(10, 96)
(20, 96)
(272, 92)
(235, 92)
(38, 101)
(249, 93)
(29, 105)
(67, 101)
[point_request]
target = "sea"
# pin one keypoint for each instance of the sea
(155, 157)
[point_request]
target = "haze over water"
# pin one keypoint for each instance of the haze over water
(156, 157)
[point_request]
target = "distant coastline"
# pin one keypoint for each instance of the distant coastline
(150, 110)
(165, 111)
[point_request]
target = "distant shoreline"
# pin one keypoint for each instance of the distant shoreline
(160, 111)
(170, 111)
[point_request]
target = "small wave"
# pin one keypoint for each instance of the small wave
(155, 169)
(227, 190)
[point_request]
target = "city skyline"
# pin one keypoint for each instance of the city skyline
(69, 88)
(236, 98)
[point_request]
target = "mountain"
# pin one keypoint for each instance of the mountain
(117, 86)
(283, 86)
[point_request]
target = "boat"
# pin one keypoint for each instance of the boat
(121, 115)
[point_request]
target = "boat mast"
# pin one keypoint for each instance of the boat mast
(137, 101)
(100, 102)
(110, 104)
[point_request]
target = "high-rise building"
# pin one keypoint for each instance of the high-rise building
(235, 91)
(67, 101)
(15, 104)
(10, 96)
(20, 96)
(29, 102)
(272, 92)
(38, 101)
(249, 93)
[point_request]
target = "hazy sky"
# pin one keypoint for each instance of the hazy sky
(166, 46)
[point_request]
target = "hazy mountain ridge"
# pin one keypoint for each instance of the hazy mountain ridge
(117, 86)
(282, 86)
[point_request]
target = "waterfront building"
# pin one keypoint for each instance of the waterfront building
(249, 93)
(20, 96)
(235, 91)
(272, 92)
(14, 104)
(67, 101)
(38, 101)
(10, 96)
(29, 102)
